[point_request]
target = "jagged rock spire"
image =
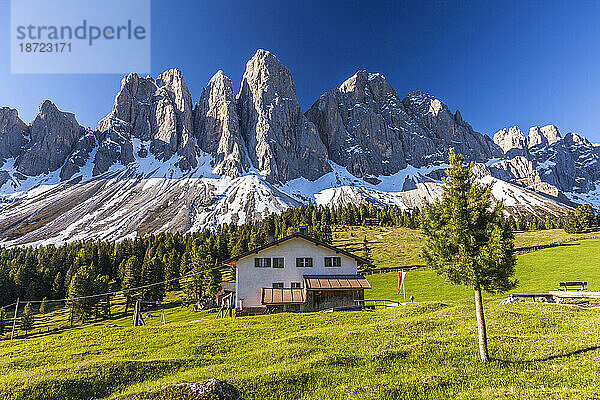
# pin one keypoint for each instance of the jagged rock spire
(13, 134)
(54, 134)
(217, 127)
(281, 142)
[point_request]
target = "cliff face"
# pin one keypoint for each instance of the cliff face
(53, 136)
(158, 113)
(370, 131)
(281, 142)
(217, 127)
(568, 164)
(13, 134)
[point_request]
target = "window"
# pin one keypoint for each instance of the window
(304, 262)
(277, 285)
(333, 261)
(262, 262)
(278, 262)
(296, 285)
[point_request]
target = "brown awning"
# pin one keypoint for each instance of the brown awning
(283, 296)
(335, 282)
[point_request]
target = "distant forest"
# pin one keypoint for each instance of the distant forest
(93, 267)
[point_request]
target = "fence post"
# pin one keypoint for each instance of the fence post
(135, 316)
(12, 334)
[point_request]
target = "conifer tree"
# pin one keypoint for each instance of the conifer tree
(57, 287)
(154, 273)
(101, 304)
(586, 216)
(3, 321)
(27, 319)
(131, 279)
(466, 240)
(211, 282)
(81, 286)
(573, 223)
(44, 306)
(366, 250)
(200, 261)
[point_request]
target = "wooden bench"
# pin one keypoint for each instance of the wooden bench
(580, 286)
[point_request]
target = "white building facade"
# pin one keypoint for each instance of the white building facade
(297, 273)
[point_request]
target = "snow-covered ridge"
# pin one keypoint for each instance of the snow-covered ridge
(124, 203)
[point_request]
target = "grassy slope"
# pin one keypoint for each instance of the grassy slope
(390, 247)
(422, 350)
(395, 247)
(537, 272)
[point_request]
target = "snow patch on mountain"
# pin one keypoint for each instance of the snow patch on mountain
(591, 197)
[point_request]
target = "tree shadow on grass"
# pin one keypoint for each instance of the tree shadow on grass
(547, 358)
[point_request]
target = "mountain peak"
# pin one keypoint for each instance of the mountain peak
(264, 70)
(359, 79)
(12, 133)
(54, 134)
(573, 137)
(551, 133)
(263, 54)
(47, 106)
(364, 87)
(510, 139)
(219, 76)
(264, 59)
(217, 127)
(542, 137)
(281, 142)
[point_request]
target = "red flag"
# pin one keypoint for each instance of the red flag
(401, 275)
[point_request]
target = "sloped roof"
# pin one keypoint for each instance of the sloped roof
(227, 286)
(335, 282)
(283, 296)
(298, 235)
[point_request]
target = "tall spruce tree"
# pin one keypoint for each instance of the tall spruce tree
(466, 240)
(3, 321)
(586, 216)
(211, 282)
(81, 286)
(44, 306)
(153, 272)
(201, 262)
(366, 251)
(132, 276)
(573, 223)
(27, 319)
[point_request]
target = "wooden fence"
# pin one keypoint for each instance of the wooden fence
(523, 250)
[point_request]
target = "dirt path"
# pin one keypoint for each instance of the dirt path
(381, 235)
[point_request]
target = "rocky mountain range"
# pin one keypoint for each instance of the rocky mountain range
(161, 162)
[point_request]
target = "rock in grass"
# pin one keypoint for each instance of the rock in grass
(511, 299)
(215, 387)
(212, 389)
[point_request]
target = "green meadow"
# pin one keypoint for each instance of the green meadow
(396, 247)
(424, 350)
(536, 272)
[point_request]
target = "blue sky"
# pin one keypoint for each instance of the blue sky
(501, 63)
